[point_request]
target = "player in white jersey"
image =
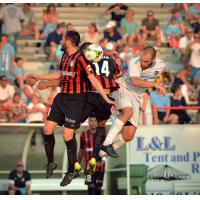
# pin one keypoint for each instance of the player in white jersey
(142, 72)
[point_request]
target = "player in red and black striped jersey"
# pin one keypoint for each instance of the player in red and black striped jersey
(74, 75)
(95, 180)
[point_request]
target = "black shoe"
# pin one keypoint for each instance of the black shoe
(69, 176)
(50, 168)
(109, 150)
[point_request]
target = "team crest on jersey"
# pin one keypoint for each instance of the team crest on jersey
(89, 67)
(156, 73)
(72, 63)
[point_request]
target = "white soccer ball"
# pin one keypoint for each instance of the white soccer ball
(93, 53)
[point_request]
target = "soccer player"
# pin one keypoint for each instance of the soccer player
(106, 71)
(94, 180)
(142, 72)
(73, 75)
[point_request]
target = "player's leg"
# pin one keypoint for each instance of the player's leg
(55, 117)
(73, 108)
(98, 177)
(124, 102)
(129, 129)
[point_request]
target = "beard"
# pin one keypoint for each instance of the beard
(63, 48)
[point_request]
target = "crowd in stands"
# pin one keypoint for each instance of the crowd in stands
(122, 38)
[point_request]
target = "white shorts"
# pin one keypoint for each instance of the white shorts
(125, 98)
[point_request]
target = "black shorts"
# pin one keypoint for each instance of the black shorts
(97, 107)
(96, 178)
(161, 115)
(67, 109)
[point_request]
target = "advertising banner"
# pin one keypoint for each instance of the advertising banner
(172, 155)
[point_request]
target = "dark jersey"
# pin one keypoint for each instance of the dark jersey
(106, 71)
(74, 70)
(87, 144)
(19, 181)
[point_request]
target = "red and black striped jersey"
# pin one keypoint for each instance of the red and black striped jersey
(74, 70)
(87, 145)
(106, 71)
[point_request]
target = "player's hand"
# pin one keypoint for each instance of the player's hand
(31, 79)
(111, 102)
(42, 85)
(160, 88)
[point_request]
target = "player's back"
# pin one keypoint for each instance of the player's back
(106, 71)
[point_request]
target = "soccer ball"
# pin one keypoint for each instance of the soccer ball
(93, 53)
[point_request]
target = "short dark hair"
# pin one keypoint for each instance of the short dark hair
(84, 46)
(17, 94)
(74, 37)
(175, 88)
(151, 50)
(18, 59)
(61, 25)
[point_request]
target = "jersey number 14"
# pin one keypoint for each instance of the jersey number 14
(103, 70)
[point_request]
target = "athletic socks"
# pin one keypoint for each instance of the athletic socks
(71, 153)
(49, 143)
(113, 131)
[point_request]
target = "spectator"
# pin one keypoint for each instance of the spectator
(117, 12)
(36, 110)
(176, 15)
(28, 91)
(19, 180)
(198, 113)
(6, 90)
(53, 40)
(163, 115)
(194, 17)
(12, 16)
(94, 180)
(19, 72)
(103, 42)
(16, 109)
(36, 113)
(92, 35)
(150, 28)
(173, 33)
(50, 20)
(29, 26)
(111, 33)
(178, 100)
(185, 40)
(7, 57)
(129, 28)
(193, 49)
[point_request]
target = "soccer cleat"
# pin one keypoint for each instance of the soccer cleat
(92, 166)
(109, 150)
(77, 167)
(50, 168)
(69, 176)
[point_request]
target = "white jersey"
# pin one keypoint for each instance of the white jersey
(149, 74)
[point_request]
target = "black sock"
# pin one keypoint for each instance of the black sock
(71, 153)
(49, 143)
(91, 191)
(98, 140)
(97, 192)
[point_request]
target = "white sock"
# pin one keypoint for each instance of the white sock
(113, 131)
(118, 142)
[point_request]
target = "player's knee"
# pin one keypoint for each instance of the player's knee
(47, 130)
(68, 134)
(128, 138)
